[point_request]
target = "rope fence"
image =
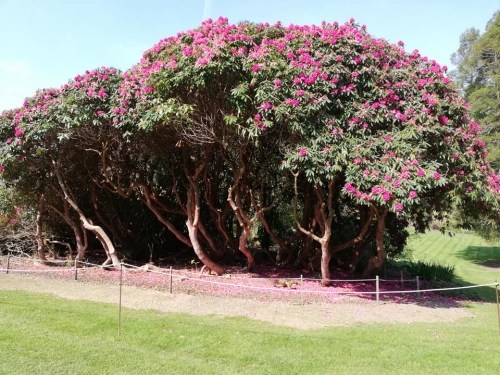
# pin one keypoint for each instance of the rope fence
(75, 267)
(79, 266)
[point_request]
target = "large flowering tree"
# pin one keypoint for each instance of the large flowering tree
(359, 116)
(208, 119)
(49, 147)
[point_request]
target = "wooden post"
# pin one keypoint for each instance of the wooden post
(76, 271)
(301, 288)
(8, 262)
(120, 302)
(402, 282)
(170, 286)
(377, 287)
(418, 287)
(498, 306)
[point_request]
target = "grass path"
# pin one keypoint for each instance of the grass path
(475, 261)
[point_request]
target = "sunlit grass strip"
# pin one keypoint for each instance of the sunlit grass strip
(41, 334)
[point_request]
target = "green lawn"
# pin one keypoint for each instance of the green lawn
(476, 261)
(41, 334)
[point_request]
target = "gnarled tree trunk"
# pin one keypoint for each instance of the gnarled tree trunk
(39, 229)
(377, 261)
(193, 214)
(101, 235)
(324, 214)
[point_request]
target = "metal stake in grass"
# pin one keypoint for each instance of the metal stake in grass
(120, 302)
(498, 306)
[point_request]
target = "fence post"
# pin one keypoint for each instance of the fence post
(170, 286)
(377, 287)
(301, 288)
(402, 282)
(418, 287)
(76, 271)
(498, 306)
(8, 262)
(120, 302)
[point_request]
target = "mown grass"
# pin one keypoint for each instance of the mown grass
(41, 334)
(475, 260)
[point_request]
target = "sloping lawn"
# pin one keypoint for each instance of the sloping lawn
(475, 260)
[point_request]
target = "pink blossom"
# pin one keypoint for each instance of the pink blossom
(386, 196)
(303, 152)
(388, 178)
(436, 176)
(99, 113)
(9, 140)
(443, 120)
(349, 187)
(388, 138)
(399, 207)
(266, 105)
(420, 172)
(1, 168)
(300, 92)
(357, 161)
(396, 183)
(413, 194)
(102, 93)
(277, 84)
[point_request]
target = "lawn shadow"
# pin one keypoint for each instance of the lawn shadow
(486, 256)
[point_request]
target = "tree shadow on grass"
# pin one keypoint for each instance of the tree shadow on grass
(486, 256)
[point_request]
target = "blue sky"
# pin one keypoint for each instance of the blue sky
(44, 43)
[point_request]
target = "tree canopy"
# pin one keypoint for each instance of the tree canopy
(478, 77)
(220, 130)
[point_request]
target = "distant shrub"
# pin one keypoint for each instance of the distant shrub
(430, 271)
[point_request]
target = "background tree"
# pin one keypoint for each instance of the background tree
(478, 77)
